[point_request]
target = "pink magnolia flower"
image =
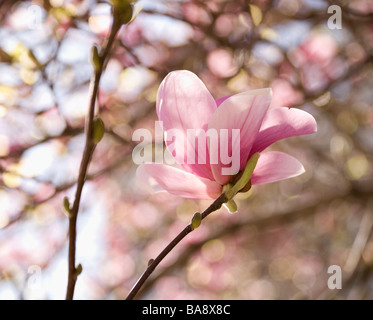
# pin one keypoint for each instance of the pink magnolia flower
(183, 103)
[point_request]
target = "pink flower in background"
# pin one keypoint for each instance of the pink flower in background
(221, 63)
(183, 103)
(319, 49)
(317, 61)
(284, 95)
(196, 13)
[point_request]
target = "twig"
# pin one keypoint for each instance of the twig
(18, 152)
(151, 267)
(241, 183)
(87, 154)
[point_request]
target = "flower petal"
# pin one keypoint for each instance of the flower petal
(183, 102)
(274, 166)
(178, 182)
(221, 100)
(244, 111)
(280, 123)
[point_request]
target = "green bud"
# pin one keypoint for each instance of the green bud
(244, 180)
(123, 10)
(98, 130)
(95, 58)
(231, 206)
(66, 206)
(78, 269)
(126, 15)
(150, 262)
(196, 220)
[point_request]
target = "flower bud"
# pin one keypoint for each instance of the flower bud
(98, 130)
(95, 58)
(123, 10)
(78, 269)
(196, 220)
(66, 206)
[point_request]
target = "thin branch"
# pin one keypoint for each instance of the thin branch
(286, 217)
(18, 152)
(188, 229)
(87, 154)
(289, 216)
(61, 188)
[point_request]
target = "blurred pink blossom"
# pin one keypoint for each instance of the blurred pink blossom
(319, 49)
(284, 95)
(316, 60)
(221, 63)
(133, 34)
(195, 13)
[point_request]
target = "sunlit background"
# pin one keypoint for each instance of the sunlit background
(285, 235)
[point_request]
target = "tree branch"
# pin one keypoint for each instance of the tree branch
(87, 154)
(188, 229)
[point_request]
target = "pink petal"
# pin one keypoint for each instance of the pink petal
(274, 166)
(280, 123)
(221, 100)
(244, 111)
(183, 102)
(178, 182)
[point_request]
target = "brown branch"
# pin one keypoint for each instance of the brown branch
(188, 229)
(87, 154)
(61, 188)
(289, 216)
(18, 152)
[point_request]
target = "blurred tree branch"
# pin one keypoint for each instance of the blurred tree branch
(88, 151)
(188, 229)
(260, 57)
(287, 217)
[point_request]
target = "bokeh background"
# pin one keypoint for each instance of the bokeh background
(285, 235)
